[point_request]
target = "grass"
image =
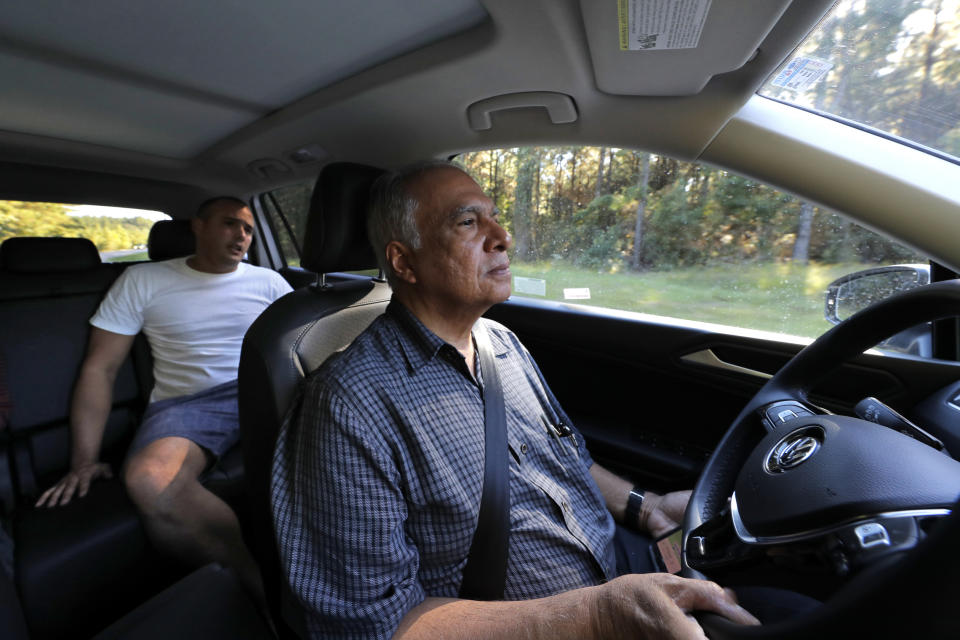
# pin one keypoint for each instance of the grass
(784, 298)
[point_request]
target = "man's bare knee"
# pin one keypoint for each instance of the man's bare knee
(148, 484)
(155, 477)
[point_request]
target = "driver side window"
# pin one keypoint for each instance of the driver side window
(640, 232)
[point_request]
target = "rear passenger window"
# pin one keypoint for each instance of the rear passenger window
(287, 209)
(119, 234)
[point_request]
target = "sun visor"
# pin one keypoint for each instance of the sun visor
(673, 47)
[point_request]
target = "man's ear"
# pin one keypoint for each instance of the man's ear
(196, 224)
(401, 260)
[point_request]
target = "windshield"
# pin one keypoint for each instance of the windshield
(893, 65)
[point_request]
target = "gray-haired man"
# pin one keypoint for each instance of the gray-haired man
(377, 487)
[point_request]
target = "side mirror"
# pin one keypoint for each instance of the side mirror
(849, 294)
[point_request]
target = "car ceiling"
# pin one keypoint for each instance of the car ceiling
(171, 78)
(242, 96)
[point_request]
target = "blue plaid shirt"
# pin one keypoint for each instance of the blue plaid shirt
(377, 485)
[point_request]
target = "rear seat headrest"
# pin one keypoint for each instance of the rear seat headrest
(335, 238)
(48, 255)
(171, 239)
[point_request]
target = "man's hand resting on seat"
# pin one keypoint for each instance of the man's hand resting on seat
(77, 481)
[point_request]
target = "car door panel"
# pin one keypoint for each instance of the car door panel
(650, 412)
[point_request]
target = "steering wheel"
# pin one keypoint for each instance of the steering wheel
(833, 500)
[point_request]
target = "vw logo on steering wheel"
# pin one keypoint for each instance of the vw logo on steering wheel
(793, 450)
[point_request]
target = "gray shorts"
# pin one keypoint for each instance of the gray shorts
(208, 418)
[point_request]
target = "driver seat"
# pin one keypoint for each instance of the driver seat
(293, 337)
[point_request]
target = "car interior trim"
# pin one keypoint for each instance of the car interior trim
(708, 358)
(560, 107)
(747, 538)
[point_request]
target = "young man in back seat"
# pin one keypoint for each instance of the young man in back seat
(194, 312)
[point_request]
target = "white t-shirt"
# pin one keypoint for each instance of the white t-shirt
(194, 321)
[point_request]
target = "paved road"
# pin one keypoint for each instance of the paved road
(107, 256)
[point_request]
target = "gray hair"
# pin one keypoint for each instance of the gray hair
(390, 215)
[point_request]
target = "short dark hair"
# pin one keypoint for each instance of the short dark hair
(203, 211)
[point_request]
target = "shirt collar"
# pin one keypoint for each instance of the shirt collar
(418, 343)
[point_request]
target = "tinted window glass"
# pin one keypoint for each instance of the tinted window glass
(119, 234)
(635, 231)
(889, 64)
(287, 209)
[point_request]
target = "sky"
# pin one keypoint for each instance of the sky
(115, 212)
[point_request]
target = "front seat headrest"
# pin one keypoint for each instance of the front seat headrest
(171, 239)
(48, 255)
(335, 238)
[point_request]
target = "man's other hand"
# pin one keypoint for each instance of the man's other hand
(662, 514)
(77, 481)
(659, 605)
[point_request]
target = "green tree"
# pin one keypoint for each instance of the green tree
(642, 190)
(34, 219)
(51, 220)
(523, 214)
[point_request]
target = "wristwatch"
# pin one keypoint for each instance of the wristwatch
(631, 516)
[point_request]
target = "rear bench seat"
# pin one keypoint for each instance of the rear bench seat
(49, 288)
(65, 560)
(78, 567)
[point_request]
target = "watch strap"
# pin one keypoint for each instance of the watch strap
(631, 515)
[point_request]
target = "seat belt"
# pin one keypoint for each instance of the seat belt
(485, 573)
(5, 405)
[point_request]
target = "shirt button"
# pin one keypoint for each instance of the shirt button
(566, 506)
(523, 448)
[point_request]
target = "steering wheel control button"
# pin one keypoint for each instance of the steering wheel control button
(786, 414)
(865, 543)
(872, 534)
(780, 413)
(793, 450)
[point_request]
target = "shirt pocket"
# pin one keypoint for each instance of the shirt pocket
(562, 438)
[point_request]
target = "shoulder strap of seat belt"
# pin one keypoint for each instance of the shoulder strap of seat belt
(5, 404)
(485, 574)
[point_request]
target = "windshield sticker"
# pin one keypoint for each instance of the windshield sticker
(802, 73)
(647, 25)
(577, 294)
(530, 286)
